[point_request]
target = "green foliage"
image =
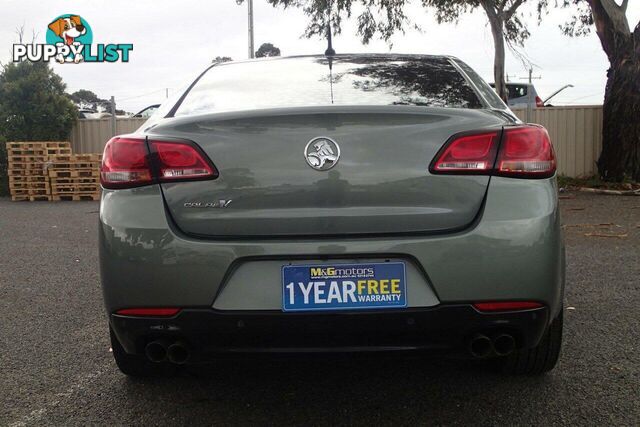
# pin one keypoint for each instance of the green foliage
(382, 17)
(386, 17)
(580, 23)
(86, 96)
(266, 50)
(33, 104)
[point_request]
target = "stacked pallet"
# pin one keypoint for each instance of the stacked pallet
(74, 176)
(27, 176)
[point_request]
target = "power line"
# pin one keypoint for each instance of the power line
(140, 96)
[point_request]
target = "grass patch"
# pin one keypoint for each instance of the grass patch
(594, 181)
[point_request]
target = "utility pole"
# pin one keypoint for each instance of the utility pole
(530, 99)
(112, 104)
(166, 93)
(250, 12)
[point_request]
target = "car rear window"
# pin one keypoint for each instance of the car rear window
(320, 81)
(517, 91)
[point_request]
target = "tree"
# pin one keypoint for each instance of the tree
(386, 17)
(222, 59)
(620, 157)
(505, 23)
(266, 50)
(87, 98)
(33, 104)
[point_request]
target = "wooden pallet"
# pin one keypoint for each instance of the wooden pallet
(75, 197)
(58, 144)
(81, 180)
(72, 166)
(50, 171)
(58, 151)
(73, 173)
(40, 198)
(26, 152)
(25, 172)
(22, 161)
(29, 145)
(27, 178)
(76, 158)
(27, 185)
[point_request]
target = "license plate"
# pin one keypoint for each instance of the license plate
(344, 286)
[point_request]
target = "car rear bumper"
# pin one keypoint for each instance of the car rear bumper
(445, 329)
(512, 252)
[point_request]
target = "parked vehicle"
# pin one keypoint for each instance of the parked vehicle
(521, 94)
(342, 203)
(147, 111)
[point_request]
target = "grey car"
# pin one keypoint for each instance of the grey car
(332, 204)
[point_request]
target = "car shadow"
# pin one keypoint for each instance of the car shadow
(341, 389)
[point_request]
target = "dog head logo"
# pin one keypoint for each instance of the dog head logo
(72, 32)
(69, 39)
(68, 28)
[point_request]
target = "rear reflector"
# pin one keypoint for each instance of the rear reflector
(127, 162)
(521, 152)
(506, 305)
(149, 312)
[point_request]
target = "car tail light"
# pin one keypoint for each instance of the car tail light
(519, 151)
(468, 153)
(507, 305)
(180, 160)
(149, 312)
(127, 162)
(526, 152)
(539, 102)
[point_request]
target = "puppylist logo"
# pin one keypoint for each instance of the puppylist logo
(70, 40)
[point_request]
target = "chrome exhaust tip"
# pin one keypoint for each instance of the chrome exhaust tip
(178, 353)
(480, 346)
(504, 344)
(156, 351)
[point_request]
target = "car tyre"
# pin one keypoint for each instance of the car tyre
(134, 365)
(539, 359)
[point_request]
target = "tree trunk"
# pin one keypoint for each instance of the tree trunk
(496, 22)
(620, 155)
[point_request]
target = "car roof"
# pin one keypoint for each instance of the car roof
(390, 56)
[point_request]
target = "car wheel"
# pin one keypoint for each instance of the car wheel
(539, 359)
(135, 365)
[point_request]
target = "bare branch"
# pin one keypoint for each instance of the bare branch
(624, 5)
(616, 14)
(20, 33)
(514, 6)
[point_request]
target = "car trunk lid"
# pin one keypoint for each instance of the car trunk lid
(380, 184)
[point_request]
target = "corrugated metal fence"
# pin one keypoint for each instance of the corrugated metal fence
(91, 135)
(576, 133)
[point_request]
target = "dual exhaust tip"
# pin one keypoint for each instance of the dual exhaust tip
(160, 351)
(482, 346)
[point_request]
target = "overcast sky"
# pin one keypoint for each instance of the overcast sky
(174, 40)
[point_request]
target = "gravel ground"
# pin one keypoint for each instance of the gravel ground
(57, 369)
